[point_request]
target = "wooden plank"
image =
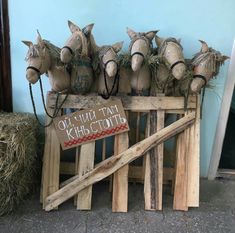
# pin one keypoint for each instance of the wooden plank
(223, 118)
(226, 173)
(180, 192)
(51, 163)
(154, 166)
(120, 177)
(159, 160)
(45, 165)
(147, 171)
(133, 103)
(112, 164)
(76, 169)
(194, 161)
(135, 173)
(85, 164)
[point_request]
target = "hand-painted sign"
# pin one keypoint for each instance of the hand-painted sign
(89, 125)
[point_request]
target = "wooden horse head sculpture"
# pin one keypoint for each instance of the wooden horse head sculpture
(140, 48)
(171, 53)
(105, 63)
(77, 50)
(206, 65)
(44, 57)
(77, 43)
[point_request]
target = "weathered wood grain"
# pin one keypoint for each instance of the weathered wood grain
(112, 164)
(133, 103)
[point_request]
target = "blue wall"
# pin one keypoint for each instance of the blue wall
(211, 20)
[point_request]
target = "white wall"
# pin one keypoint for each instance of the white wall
(212, 21)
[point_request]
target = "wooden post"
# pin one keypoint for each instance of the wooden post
(154, 166)
(120, 177)
(51, 160)
(181, 172)
(85, 164)
(194, 160)
(112, 164)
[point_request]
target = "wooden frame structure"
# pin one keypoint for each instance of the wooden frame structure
(5, 60)
(186, 189)
(223, 118)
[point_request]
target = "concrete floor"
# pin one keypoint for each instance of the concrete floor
(215, 214)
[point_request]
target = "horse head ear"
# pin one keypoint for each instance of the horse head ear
(150, 35)
(224, 57)
(28, 43)
(132, 34)
(204, 47)
(158, 40)
(40, 40)
(117, 46)
(87, 30)
(73, 27)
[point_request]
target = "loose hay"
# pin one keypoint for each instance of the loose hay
(18, 160)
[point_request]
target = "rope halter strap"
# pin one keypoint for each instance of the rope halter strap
(70, 50)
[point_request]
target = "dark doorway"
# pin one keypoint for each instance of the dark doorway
(227, 160)
(5, 64)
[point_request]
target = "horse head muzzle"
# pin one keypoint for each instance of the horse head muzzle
(111, 69)
(32, 76)
(178, 71)
(66, 55)
(136, 62)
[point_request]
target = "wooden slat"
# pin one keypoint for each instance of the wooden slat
(226, 173)
(120, 177)
(85, 164)
(154, 166)
(181, 176)
(147, 171)
(76, 168)
(112, 164)
(51, 160)
(133, 103)
(45, 166)
(134, 173)
(159, 160)
(194, 161)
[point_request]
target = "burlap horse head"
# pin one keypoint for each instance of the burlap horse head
(206, 65)
(44, 57)
(77, 43)
(105, 63)
(77, 51)
(171, 53)
(140, 48)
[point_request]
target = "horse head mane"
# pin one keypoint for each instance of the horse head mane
(163, 45)
(141, 35)
(36, 51)
(84, 41)
(212, 58)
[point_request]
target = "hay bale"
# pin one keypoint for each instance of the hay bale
(18, 160)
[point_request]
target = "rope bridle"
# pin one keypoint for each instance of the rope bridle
(70, 50)
(56, 109)
(116, 81)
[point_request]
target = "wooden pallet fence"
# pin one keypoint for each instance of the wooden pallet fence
(86, 173)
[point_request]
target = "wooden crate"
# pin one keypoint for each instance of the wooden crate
(186, 180)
